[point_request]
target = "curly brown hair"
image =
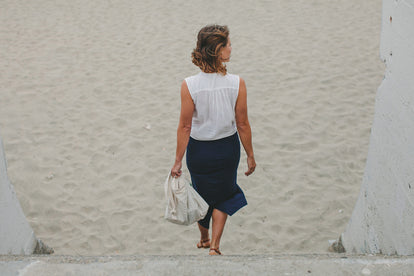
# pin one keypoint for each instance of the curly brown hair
(210, 40)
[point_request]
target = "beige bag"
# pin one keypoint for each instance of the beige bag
(184, 205)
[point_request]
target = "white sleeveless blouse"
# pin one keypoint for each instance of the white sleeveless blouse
(214, 97)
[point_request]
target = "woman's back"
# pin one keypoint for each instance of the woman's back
(214, 96)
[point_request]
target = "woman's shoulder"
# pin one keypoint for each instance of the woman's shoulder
(232, 75)
(234, 79)
(192, 77)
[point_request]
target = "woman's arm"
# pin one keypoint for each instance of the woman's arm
(243, 127)
(184, 128)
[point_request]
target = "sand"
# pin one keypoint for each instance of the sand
(89, 105)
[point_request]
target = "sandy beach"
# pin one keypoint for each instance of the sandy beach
(89, 105)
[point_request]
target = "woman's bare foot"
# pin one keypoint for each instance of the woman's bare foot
(214, 251)
(204, 244)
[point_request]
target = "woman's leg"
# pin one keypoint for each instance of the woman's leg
(205, 239)
(219, 220)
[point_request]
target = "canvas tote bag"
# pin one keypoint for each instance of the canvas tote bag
(184, 205)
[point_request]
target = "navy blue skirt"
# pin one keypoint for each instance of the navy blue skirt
(213, 169)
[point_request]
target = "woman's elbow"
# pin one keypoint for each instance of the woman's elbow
(243, 125)
(187, 128)
(184, 127)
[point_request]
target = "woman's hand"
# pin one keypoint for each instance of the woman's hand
(176, 169)
(251, 165)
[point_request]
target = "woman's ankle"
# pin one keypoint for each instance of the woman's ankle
(214, 244)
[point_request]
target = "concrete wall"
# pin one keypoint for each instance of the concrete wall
(383, 218)
(16, 235)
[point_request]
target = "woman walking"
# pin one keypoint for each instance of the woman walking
(213, 117)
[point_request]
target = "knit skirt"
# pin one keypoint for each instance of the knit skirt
(213, 169)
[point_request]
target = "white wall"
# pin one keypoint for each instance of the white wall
(383, 218)
(16, 235)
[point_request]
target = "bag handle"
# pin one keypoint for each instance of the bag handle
(169, 195)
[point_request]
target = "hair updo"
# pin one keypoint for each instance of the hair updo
(210, 40)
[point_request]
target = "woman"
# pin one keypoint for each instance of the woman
(213, 116)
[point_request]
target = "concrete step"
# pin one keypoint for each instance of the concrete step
(299, 264)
